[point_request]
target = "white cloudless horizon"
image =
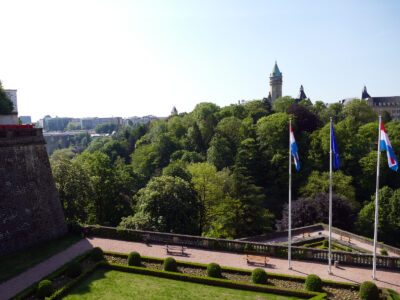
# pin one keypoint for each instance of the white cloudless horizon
(132, 58)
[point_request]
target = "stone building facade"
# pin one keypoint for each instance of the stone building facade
(378, 104)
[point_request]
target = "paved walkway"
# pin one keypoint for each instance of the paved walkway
(20, 282)
(300, 268)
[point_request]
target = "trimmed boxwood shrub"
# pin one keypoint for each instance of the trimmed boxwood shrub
(97, 254)
(259, 276)
(313, 283)
(45, 288)
(134, 259)
(170, 264)
(74, 270)
(214, 270)
(369, 291)
(384, 252)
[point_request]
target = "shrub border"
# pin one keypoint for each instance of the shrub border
(194, 279)
(241, 271)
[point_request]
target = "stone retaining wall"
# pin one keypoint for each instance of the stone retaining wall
(30, 209)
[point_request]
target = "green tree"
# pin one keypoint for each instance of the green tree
(360, 110)
(106, 128)
(195, 139)
(244, 214)
(229, 128)
(112, 191)
(388, 220)
(282, 104)
(318, 182)
(145, 159)
(333, 110)
(234, 110)
(72, 181)
(72, 126)
(166, 204)
(208, 186)
(177, 169)
(60, 154)
(220, 152)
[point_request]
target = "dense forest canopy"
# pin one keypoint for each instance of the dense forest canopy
(223, 172)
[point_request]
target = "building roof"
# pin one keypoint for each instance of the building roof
(388, 100)
(365, 94)
(302, 95)
(275, 70)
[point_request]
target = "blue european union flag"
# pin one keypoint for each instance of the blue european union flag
(336, 157)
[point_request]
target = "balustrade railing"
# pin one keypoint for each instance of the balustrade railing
(300, 253)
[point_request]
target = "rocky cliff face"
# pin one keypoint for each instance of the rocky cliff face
(30, 209)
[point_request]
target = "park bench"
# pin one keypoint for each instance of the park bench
(256, 259)
(346, 239)
(175, 249)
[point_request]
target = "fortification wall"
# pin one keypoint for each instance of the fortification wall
(30, 209)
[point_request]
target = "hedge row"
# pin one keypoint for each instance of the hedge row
(240, 271)
(33, 287)
(59, 294)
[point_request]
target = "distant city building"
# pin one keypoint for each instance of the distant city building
(174, 111)
(378, 104)
(91, 123)
(12, 95)
(25, 119)
(140, 120)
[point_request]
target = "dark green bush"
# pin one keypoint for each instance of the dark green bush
(170, 264)
(259, 276)
(313, 283)
(97, 254)
(214, 270)
(45, 288)
(134, 259)
(384, 252)
(369, 291)
(325, 243)
(74, 270)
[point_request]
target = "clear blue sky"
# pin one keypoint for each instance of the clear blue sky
(125, 58)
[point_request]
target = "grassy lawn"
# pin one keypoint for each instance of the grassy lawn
(394, 294)
(111, 284)
(16, 263)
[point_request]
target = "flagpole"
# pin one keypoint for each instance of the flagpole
(330, 200)
(290, 202)
(377, 200)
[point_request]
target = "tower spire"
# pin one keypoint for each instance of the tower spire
(364, 94)
(275, 82)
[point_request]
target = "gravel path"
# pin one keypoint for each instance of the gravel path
(300, 268)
